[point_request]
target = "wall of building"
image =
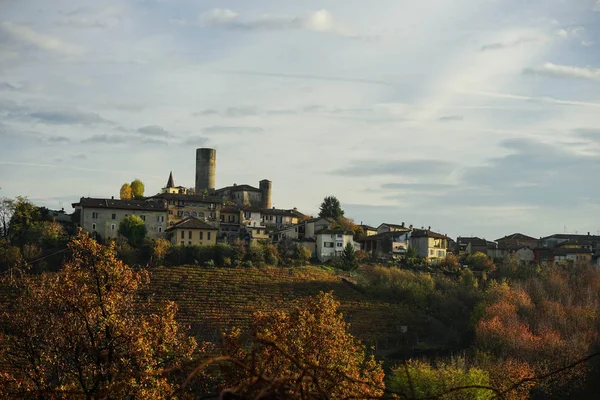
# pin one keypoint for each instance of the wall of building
(105, 221)
(331, 245)
(193, 237)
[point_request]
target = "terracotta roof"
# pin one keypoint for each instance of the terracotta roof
(427, 233)
(368, 227)
(89, 202)
(380, 236)
(287, 213)
(236, 188)
(334, 231)
(516, 236)
(188, 197)
(395, 226)
(192, 223)
(473, 240)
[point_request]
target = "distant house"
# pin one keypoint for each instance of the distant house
(330, 243)
(516, 241)
(181, 206)
(386, 245)
(471, 245)
(192, 232)
(277, 218)
(230, 222)
(368, 230)
(101, 217)
(172, 189)
(572, 256)
(551, 245)
(302, 231)
(429, 244)
(524, 254)
(386, 227)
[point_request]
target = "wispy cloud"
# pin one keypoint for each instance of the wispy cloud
(403, 168)
(25, 34)
(153, 130)
(104, 138)
(565, 71)
(7, 87)
(535, 99)
(68, 118)
(508, 45)
(232, 129)
(321, 21)
(450, 118)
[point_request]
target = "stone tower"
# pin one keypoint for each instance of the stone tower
(206, 168)
(265, 191)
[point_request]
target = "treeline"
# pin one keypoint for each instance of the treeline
(493, 329)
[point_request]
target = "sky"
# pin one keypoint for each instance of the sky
(472, 117)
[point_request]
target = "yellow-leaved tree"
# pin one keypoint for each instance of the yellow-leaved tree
(84, 332)
(302, 354)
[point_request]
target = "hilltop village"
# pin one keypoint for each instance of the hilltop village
(206, 215)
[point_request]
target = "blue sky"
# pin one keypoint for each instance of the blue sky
(470, 116)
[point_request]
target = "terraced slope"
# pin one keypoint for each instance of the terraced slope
(214, 299)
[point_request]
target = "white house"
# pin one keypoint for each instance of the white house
(331, 242)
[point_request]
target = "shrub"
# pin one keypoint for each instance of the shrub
(209, 263)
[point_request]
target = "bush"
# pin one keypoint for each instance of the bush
(247, 264)
(209, 263)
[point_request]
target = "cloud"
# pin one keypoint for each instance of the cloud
(404, 168)
(241, 112)
(597, 6)
(575, 32)
(311, 77)
(153, 130)
(45, 42)
(565, 71)
(449, 118)
(104, 138)
(68, 118)
(58, 139)
(545, 100)
(232, 129)
(417, 187)
(508, 45)
(7, 87)
(197, 141)
(320, 21)
(205, 113)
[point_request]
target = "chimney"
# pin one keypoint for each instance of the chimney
(429, 228)
(112, 197)
(402, 224)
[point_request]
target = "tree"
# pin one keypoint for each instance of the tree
(7, 208)
(126, 192)
(331, 208)
(304, 353)
(160, 248)
(24, 222)
(137, 189)
(83, 332)
(480, 262)
(349, 260)
(133, 229)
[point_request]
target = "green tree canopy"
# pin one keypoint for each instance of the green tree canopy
(137, 189)
(349, 260)
(126, 193)
(24, 222)
(133, 229)
(331, 208)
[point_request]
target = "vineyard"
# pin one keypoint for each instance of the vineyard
(214, 299)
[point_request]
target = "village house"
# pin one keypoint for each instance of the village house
(385, 227)
(276, 218)
(471, 245)
(516, 241)
(101, 217)
(192, 232)
(182, 206)
(330, 243)
(429, 244)
(368, 230)
(386, 245)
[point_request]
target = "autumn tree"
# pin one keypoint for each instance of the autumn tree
(331, 208)
(133, 229)
(480, 262)
(82, 332)
(126, 192)
(24, 222)
(348, 258)
(137, 189)
(303, 353)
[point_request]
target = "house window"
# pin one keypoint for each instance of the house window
(222, 218)
(340, 236)
(278, 219)
(189, 234)
(114, 216)
(190, 242)
(231, 218)
(194, 214)
(183, 234)
(430, 252)
(339, 244)
(440, 253)
(201, 235)
(246, 215)
(207, 235)
(94, 227)
(160, 229)
(143, 217)
(328, 244)
(161, 218)
(95, 215)
(112, 227)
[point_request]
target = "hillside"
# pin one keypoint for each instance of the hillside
(211, 299)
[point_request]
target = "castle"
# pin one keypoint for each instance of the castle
(240, 195)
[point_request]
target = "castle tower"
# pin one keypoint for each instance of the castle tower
(206, 168)
(265, 190)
